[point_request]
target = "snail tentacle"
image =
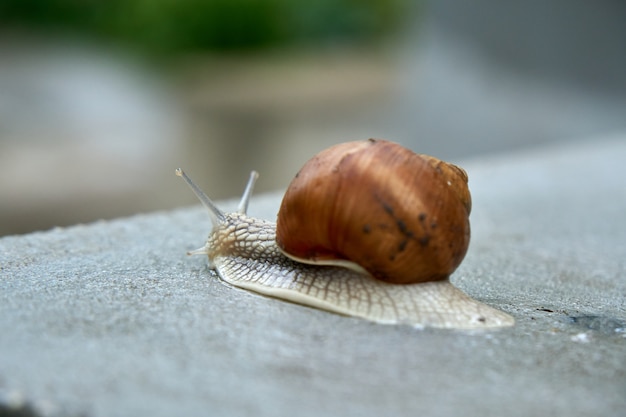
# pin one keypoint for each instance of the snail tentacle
(245, 198)
(217, 215)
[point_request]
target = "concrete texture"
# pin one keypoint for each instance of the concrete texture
(112, 319)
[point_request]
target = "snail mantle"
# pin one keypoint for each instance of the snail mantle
(368, 229)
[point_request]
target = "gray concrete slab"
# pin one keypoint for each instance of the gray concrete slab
(112, 319)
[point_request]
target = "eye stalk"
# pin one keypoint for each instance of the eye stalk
(216, 215)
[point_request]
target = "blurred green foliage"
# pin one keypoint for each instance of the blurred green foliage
(169, 26)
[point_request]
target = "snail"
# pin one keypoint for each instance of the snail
(368, 229)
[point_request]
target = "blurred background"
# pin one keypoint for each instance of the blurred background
(100, 101)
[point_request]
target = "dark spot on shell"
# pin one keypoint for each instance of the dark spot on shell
(433, 225)
(387, 208)
(402, 245)
(422, 217)
(424, 240)
(482, 319)
(403, 228)
(367, 228)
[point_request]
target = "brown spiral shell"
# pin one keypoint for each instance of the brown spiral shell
(402, 216)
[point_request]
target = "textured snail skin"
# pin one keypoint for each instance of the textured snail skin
(243, 252)
(402, 216)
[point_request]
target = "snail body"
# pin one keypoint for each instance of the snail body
(259, 256)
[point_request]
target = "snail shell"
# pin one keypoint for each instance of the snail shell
(401, 216)
(244, 253)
